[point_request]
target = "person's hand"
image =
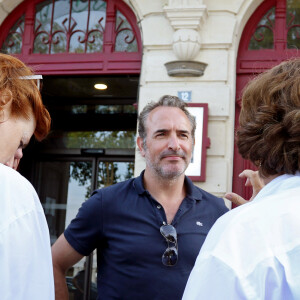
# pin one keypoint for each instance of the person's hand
(235, 199)
(252, 179)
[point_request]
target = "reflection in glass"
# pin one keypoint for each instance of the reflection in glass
(293, 24)
(90, 139)
(100, 139)
(125, 38)
(14, 39)
(79, 109)
(59, 27)
(62, 192)
(115, 109)
(109, 172)
(114, 172)
(63, 187)
(90, 18)
(75, 281)
(263, 37)
(42, 27)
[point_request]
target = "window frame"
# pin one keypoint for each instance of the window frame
(106, 62)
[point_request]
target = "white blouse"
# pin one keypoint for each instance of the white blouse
(253, 251)
(26, 271)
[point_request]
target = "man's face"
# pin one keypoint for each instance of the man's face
(169, 143)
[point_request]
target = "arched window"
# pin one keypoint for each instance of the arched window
(271, 35)
(67, 36)
(280, 32)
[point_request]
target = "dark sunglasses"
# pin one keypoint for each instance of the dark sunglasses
(170, 256)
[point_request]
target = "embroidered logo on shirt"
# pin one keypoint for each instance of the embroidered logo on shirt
(199, 223)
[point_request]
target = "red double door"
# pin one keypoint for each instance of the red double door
(271, 35)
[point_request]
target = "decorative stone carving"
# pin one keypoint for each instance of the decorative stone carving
(186, 43)
(186, 17)
(189, 14)
(185, 68)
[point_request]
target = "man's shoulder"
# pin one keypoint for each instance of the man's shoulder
(117, 189)
(206, 196)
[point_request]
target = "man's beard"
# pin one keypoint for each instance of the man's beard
(168, 172)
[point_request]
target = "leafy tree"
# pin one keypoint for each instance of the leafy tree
(108, 172)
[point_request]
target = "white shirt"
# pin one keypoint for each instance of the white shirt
(253, 251)
(26, 271)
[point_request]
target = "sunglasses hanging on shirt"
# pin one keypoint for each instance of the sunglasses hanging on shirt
(170, 256)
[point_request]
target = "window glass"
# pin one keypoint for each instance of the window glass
(79, 109)
(62, 191)
(14, 40)
(90, 139)
(293, 24)
(42, 27)
(111, 172)
(100, 139)
(88, 19)
(263, 35)
(125, 38)
(65, 26)
(63, 186)
(115, 109)
(59, 28)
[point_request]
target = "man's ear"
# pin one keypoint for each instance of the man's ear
(140, 143)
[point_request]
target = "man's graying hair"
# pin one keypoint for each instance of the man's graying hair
(165, 101)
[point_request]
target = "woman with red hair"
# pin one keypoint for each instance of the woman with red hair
(25, 256)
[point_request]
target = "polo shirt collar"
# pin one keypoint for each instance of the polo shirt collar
(138, 184)
(192, 191)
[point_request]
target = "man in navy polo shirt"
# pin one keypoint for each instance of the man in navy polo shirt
(148, 230)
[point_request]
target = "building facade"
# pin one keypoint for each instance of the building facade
(204, 51)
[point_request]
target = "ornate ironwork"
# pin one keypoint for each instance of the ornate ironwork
(125, 38)
(293, 24)
(62, 34)
(264, 32)
(14, 39)
(73, 26)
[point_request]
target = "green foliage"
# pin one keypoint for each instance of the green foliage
(108, 173)
(101, 139)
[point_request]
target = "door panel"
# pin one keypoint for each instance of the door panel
(61, 192)
(270, 36)
(63, 184)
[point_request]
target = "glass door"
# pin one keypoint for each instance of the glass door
(63, 184)
(91, 145)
